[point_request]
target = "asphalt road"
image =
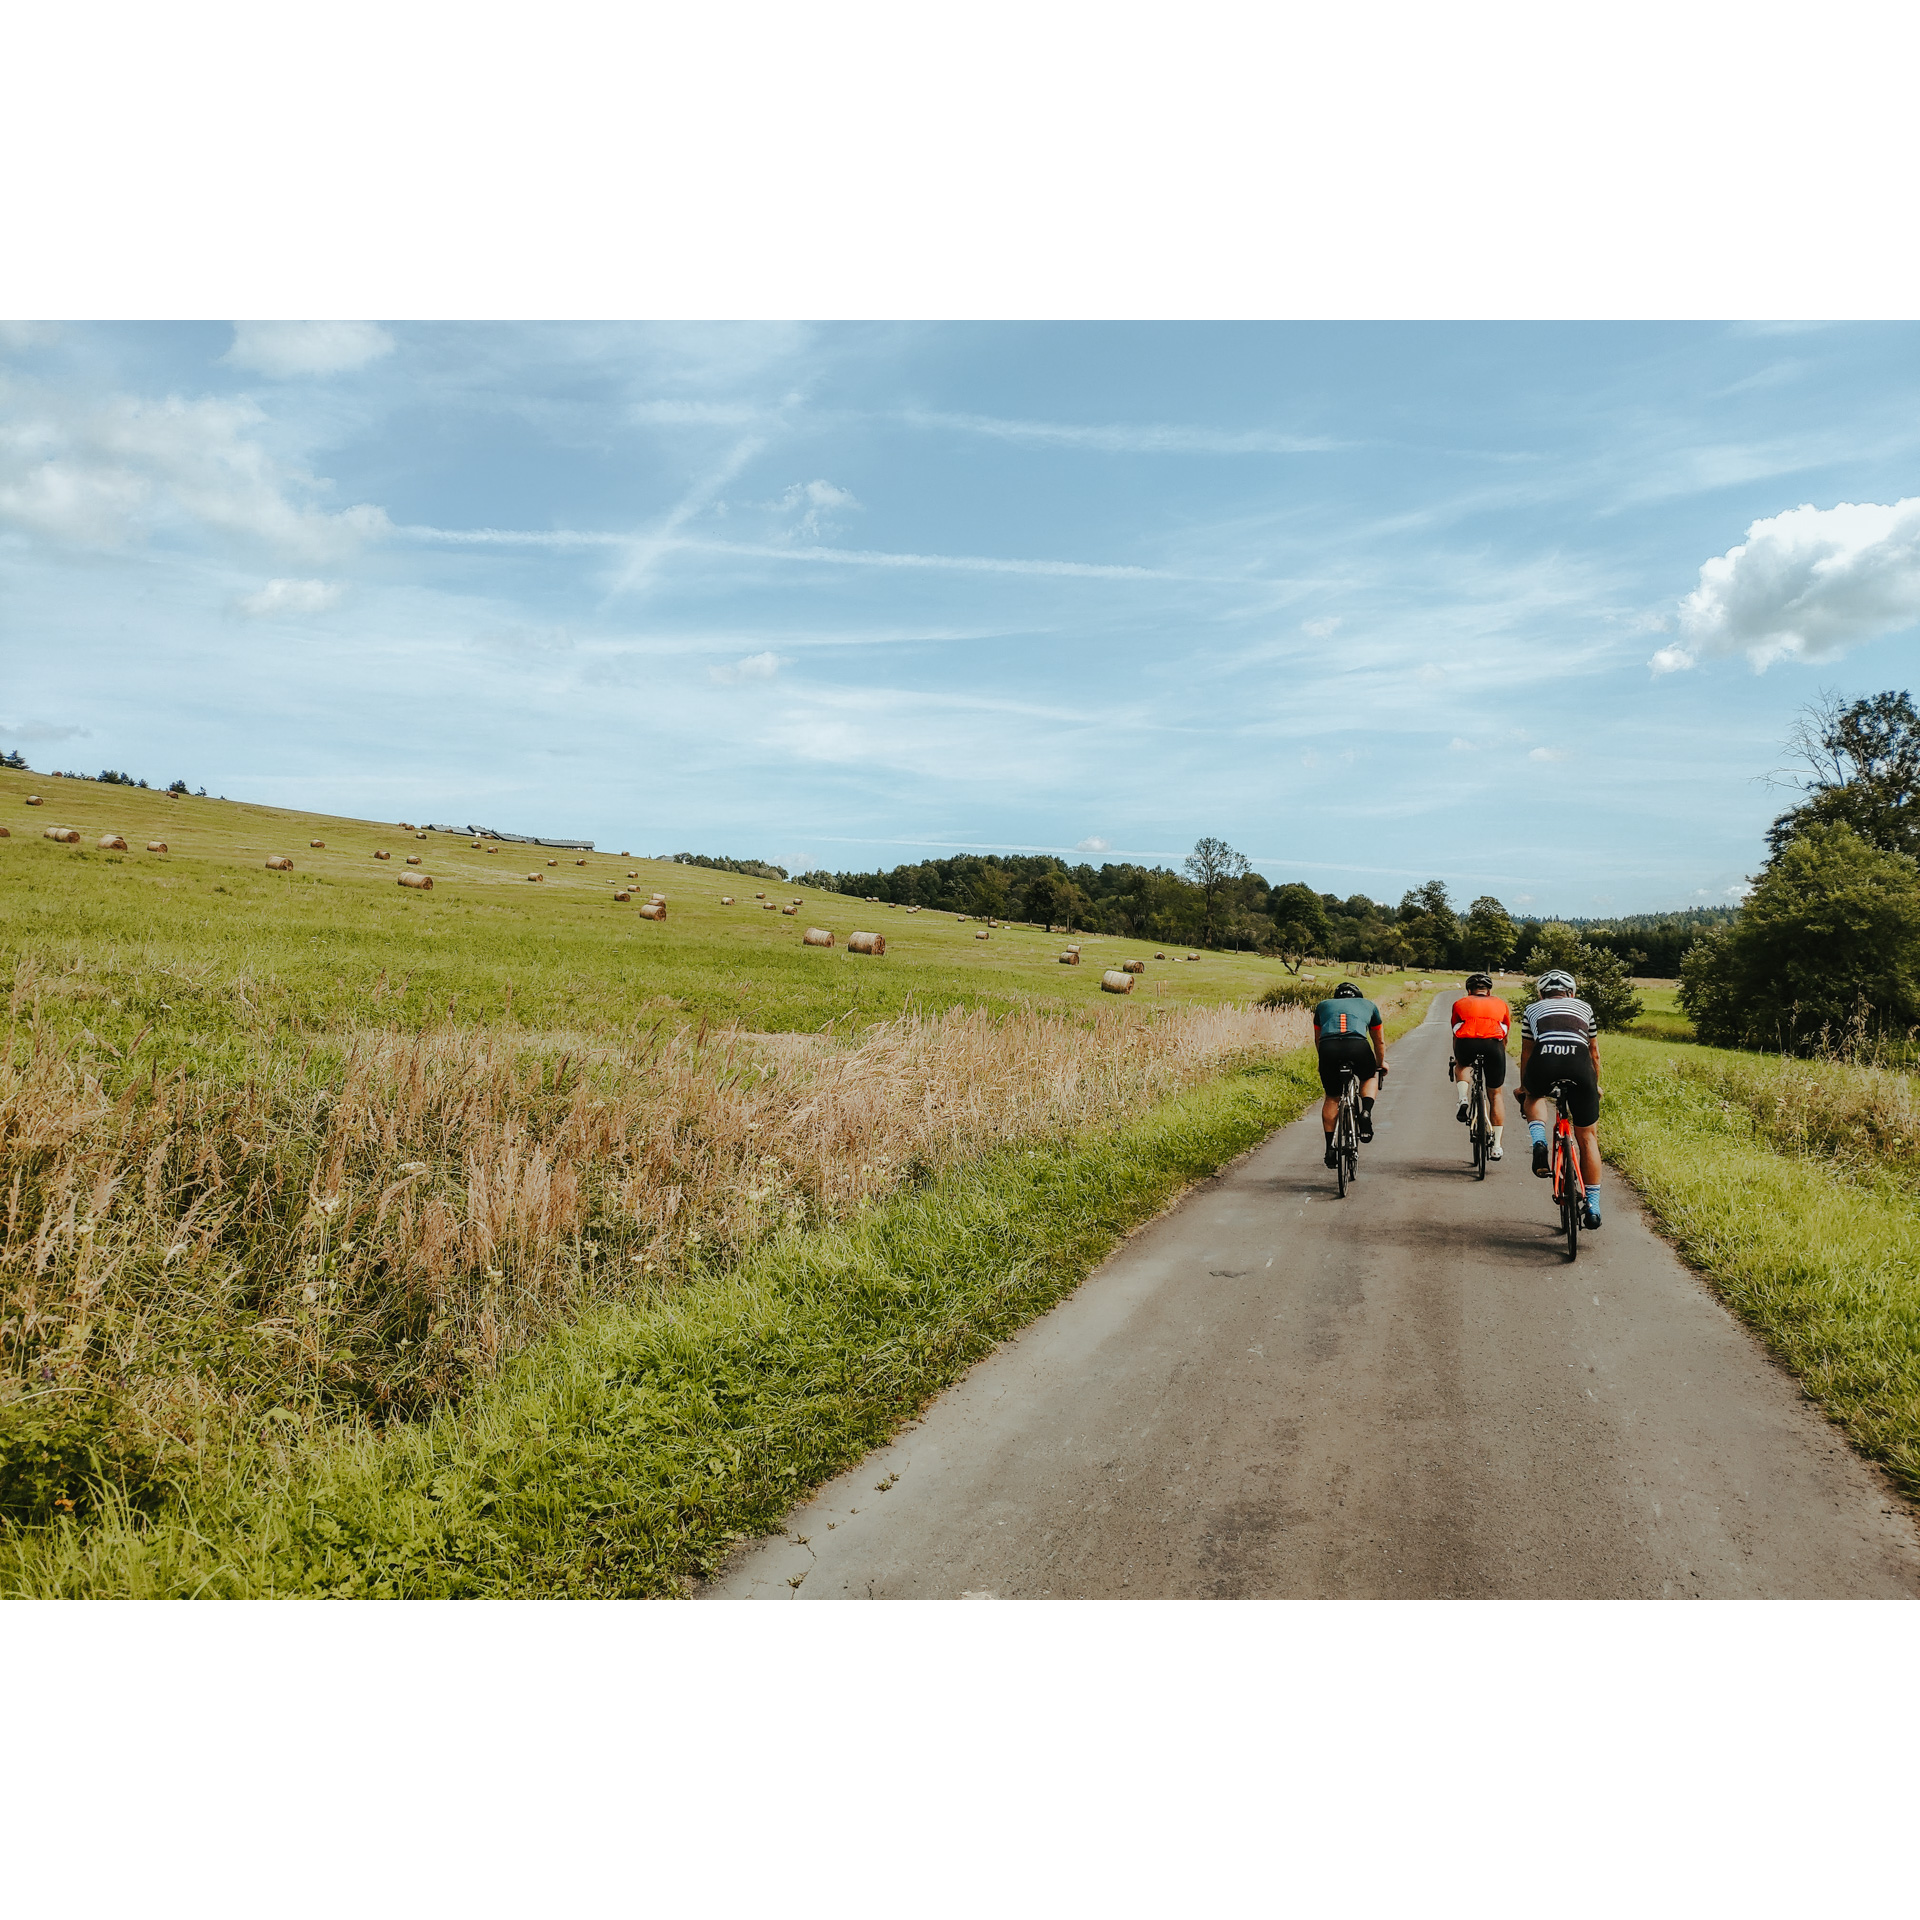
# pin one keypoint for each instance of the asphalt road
(1272, 1393)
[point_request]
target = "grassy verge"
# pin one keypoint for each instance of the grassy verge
(1822, 1261)
(628, 1451)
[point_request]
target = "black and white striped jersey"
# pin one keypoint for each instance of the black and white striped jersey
(1559, 1025)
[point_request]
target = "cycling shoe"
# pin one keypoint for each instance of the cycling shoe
(1540, 1165)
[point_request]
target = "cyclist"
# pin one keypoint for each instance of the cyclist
(1481, 1024)
(1560, 1040)
(1348, 1032)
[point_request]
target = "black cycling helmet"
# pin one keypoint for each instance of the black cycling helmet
(1346, 990)
(1479, 983)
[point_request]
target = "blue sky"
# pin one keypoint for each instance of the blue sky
(1374, 602)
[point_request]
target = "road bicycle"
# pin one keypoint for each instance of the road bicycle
(1569, 1185)
(1479, 1125)
(1346, 1132)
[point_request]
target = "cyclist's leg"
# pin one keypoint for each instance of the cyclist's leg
(1369, 1088)
(1589, 1139)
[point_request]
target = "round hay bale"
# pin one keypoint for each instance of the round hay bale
(6, 833)
(766, 906)
(112, 843)
(536, 876)
(1116, 980)
(579, 863)
(654, 910)
(658, 899)
(553, 863)
(420, 833)
(625, 855)
(623, 894)
(873, 943)
(1193, 956)
(817, 937)
(380, 853)
(789, 911)
(726, 899)
(474, 846)
(983, 935)
(493, 849)
(1159, 956)
(1133, 966)
(69, 836)
(153, 846)
(1069, 959)
(279, 863)
(34, 800)
(759, 896)
(316, 843)
(423, 880)
(413, 859)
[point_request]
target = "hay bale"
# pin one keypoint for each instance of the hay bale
(316, 843)
(1159, 956)
(6, 833)
(1133, 966)
(759, 896)
(493, 849)
(817, 937)
(1193, 956)
(873, 943)
(622, 893)
(420, 833)
(34, 800)
(1069, 959)
(726, 899)
(983, 935)
(380, 853)
(658, 899)
(553, 863)
(153, 846)
(579, 863)
(789, 911)
(69, 836)
(654, 910)
(279, 863)
(112, 843)
(413, 859)
(766, 906)
(423, 880)
(536, 876)
(1116, 980)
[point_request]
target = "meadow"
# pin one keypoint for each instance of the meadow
(302, 1162)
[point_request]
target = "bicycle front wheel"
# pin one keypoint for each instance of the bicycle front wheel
(1569, 1201)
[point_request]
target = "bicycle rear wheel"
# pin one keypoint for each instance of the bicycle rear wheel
(1344, 1127)
(1477, 1125)
(1569, 1186)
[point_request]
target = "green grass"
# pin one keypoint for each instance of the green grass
(1817, 1254)
(1661, 1016)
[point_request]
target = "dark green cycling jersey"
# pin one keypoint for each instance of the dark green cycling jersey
(1331, 1018)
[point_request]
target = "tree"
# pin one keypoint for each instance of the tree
(1431, 927)
(1858, 764)
(1054, 900)
(1602, 979)
(1489, 935)
(1299, 924)
(1826, 950)
(988, 895)
(1213, 867)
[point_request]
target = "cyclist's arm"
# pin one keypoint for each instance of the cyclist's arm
(1378, 1035)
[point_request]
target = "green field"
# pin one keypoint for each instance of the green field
(295, 1165)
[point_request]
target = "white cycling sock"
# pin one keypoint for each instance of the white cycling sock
(1498, 1131)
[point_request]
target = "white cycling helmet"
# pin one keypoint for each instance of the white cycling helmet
(1555, 981)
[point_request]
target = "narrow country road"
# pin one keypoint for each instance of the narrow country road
(1272, 1393)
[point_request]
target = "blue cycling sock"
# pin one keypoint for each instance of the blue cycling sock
(1593, 1196)
(1538, 1128)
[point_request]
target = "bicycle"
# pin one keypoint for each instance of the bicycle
(1479, 1126)
(1346, 1132)
(1569, 1184)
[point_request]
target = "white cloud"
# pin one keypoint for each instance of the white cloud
(1093, 844)
(1809, 584)
(1122, 439)
(100, 471)
(21, 336)
(815, 501)
(293, 596)
(1458, 745)
(40, 730)
(756, 666)
(1547, 753)
(1674, 659)
(285, 349)
(1321, 629)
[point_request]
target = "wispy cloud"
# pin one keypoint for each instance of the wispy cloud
(41, 730)
(645, 552)
(756, 666)
(292, 596)
(1121, 439)
(287, 349)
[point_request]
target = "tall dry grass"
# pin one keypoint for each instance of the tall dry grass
(303, 1245)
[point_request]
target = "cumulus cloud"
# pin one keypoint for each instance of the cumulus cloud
(1809, 584)
(286, 349)
(1674, 659)
(1093, 843)
(1547, 753)
(756, 666)
(293, 596)
(815, 501)
(102, 470)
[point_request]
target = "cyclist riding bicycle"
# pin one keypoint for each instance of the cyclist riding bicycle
(1560, 1041)
(1481, 1023)
(1348, 1032)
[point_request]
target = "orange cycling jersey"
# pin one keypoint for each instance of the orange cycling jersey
(1481, 1016)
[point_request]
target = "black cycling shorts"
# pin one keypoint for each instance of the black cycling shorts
(1342, 1050)
(1493, 1059)
(1575, 1067)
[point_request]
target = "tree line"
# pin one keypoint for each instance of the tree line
(1825, 950)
